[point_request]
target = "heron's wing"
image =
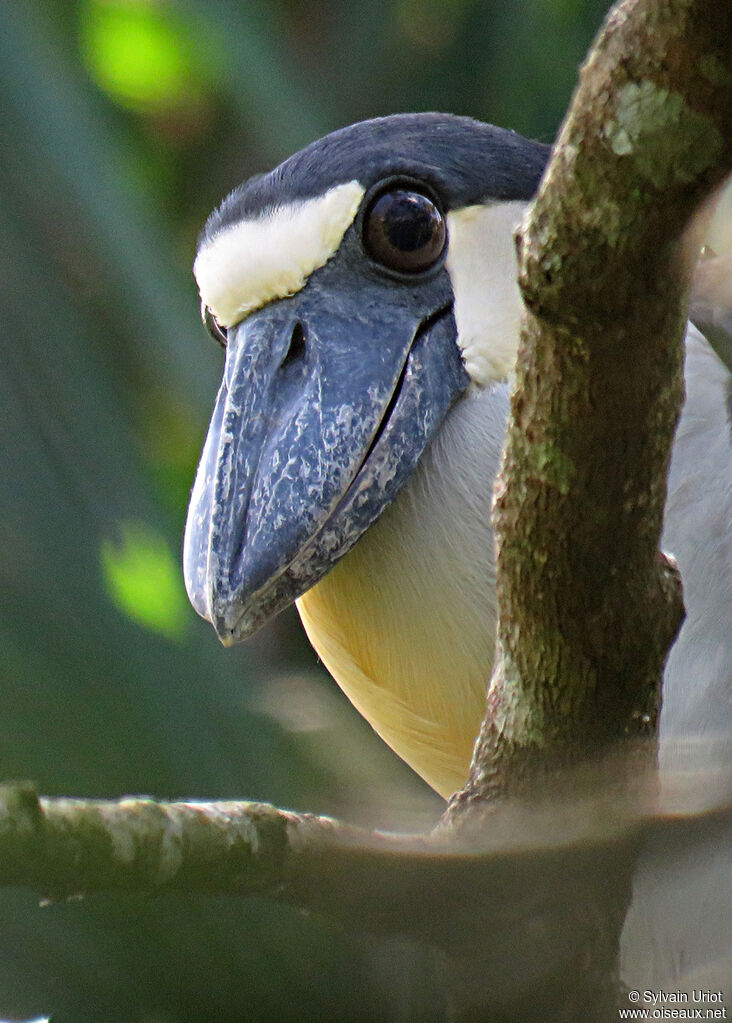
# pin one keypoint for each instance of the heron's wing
(678, 932)
(710, 309)
(697, 698)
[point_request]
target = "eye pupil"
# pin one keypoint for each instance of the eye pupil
(404, 230)
(217, 332)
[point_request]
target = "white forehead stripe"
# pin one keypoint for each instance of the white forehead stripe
(252, 262)
(481, 261)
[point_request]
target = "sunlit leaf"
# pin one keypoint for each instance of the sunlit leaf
(139, 53)
(144, 580)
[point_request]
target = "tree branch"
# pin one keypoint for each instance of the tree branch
(67, 847)
(587, 606)
(64, 847)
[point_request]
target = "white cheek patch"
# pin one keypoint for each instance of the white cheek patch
(253, 262)
(481, 261)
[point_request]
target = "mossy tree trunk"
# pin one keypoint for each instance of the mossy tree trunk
(588, 606)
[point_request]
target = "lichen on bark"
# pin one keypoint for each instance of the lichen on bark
(588, 607)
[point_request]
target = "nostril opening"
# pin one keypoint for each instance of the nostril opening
(296, 351)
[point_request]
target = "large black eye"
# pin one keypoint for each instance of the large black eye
(217, 332)
(404, 230)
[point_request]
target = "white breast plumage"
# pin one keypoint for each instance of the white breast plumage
(405, 622)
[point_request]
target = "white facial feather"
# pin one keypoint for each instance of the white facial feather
(481, 261)
(256, 261)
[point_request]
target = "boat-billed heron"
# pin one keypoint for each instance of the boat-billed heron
(365, 293)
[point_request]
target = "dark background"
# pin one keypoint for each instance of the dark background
(121, 124)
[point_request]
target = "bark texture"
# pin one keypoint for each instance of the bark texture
(66, 847)
(588, 607)
(515, 908)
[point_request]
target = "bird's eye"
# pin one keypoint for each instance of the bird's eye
(217, 332)
(404, 230)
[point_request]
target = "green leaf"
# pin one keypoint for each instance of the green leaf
(143, 579)
(138, 53)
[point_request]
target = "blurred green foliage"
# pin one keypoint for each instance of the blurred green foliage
(122, 123)
(144, 580)
(142, 55)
